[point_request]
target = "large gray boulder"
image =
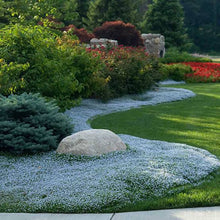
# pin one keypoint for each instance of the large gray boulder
(94, 142)
(154, 44)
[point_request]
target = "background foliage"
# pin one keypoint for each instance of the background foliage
(201, 17)
(56, 67)
(111, 10)
(166, 17)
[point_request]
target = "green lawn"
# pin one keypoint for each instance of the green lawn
(216, 59)
(195, 121)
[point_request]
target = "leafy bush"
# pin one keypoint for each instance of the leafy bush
(51, 22)
(56, 67)
(127, 70)
(9, 75)
(29, 124)
(175, 56)
(80, 63)
(175, 71)
(125, 34)
(32, 11)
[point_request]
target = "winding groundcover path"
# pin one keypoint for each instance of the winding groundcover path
(148, 168)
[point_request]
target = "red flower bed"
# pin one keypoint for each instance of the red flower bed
(203, 72)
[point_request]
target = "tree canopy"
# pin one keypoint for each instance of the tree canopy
(199, 19)
(111, 10)
(202, 18)
(166, 17)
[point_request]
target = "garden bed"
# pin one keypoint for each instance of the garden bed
(51, 183)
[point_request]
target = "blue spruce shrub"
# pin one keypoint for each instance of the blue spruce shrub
(30, 124)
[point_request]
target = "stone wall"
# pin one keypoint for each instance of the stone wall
(94, 42)
(154, 44)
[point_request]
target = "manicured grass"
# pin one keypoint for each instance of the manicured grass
(216, 59)
(195, 121)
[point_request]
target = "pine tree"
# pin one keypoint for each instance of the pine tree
(111, 10)
(166, 17)
(82, 9)
(124, 10)
(68, 10)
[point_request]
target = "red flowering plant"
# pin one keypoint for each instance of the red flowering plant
(128, 70)
(203, 72)
(118, 53)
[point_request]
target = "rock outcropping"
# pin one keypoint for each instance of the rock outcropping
(154, 44)
(94, 42)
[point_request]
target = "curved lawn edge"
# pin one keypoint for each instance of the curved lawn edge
(90, 108)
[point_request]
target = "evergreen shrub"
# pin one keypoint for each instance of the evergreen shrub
(125, 34)
(29, 124)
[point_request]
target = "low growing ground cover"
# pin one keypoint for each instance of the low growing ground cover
(193, 121)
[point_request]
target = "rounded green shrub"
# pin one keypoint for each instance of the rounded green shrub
(56, 67)
(30, 124)
(175, 71)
